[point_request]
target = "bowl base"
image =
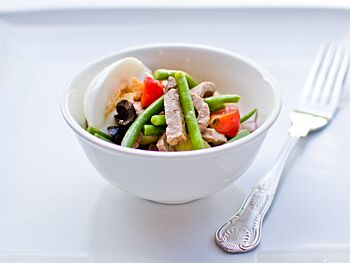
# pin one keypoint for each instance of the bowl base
(172, 202)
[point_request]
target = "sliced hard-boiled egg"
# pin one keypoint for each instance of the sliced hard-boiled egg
(107, 87)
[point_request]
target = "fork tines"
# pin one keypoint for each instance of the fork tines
(323, 86)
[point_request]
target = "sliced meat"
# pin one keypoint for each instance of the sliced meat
(212, 136)
(202, 110)
(204, 89)
(170, 84)
(163, 146)
(137, 107)
(176, 130)
(249, 125)
(138, 140)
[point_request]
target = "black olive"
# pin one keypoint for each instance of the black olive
(117, 132)
(126, 113)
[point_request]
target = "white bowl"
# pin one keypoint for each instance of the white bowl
(178, 177)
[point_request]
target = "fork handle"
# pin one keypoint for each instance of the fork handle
(242, 232)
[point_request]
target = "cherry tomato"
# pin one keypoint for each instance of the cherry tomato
(153, 89)
(226, 121)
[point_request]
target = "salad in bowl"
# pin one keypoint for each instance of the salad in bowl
(171, 123)
(167, 110)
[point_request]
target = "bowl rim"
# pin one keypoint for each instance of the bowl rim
(277, 103)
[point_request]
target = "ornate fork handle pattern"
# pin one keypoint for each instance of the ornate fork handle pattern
(318, 104)
(242, 232)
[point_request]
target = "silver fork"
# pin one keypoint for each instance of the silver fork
(317, 106)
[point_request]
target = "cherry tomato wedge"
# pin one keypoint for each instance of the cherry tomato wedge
(226, 121)
(153, 90)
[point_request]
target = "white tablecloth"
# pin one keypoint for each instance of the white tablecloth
(20, 5)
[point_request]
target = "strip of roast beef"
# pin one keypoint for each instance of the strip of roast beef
(204, 89)
(170, 84)
(208, 134)
(214, 137)
(176, 130)
(202, 110)
(163, 145)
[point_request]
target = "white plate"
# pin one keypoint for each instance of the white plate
(54, 207)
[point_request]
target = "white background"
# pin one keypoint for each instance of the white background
(15, 5)
(53, 210)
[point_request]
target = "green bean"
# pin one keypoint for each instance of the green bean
(215, 101)
(206, 144)
(102, 137)
(162, 74)
(158, 120)
(188, 109)
(248, 115)
(149, 129)
(187, 146)
(184, 146)
(216, 107)
(134, 130)
(240, 135)
(146, 140)
(95, 131)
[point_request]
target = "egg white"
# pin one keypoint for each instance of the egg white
(104, 85)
